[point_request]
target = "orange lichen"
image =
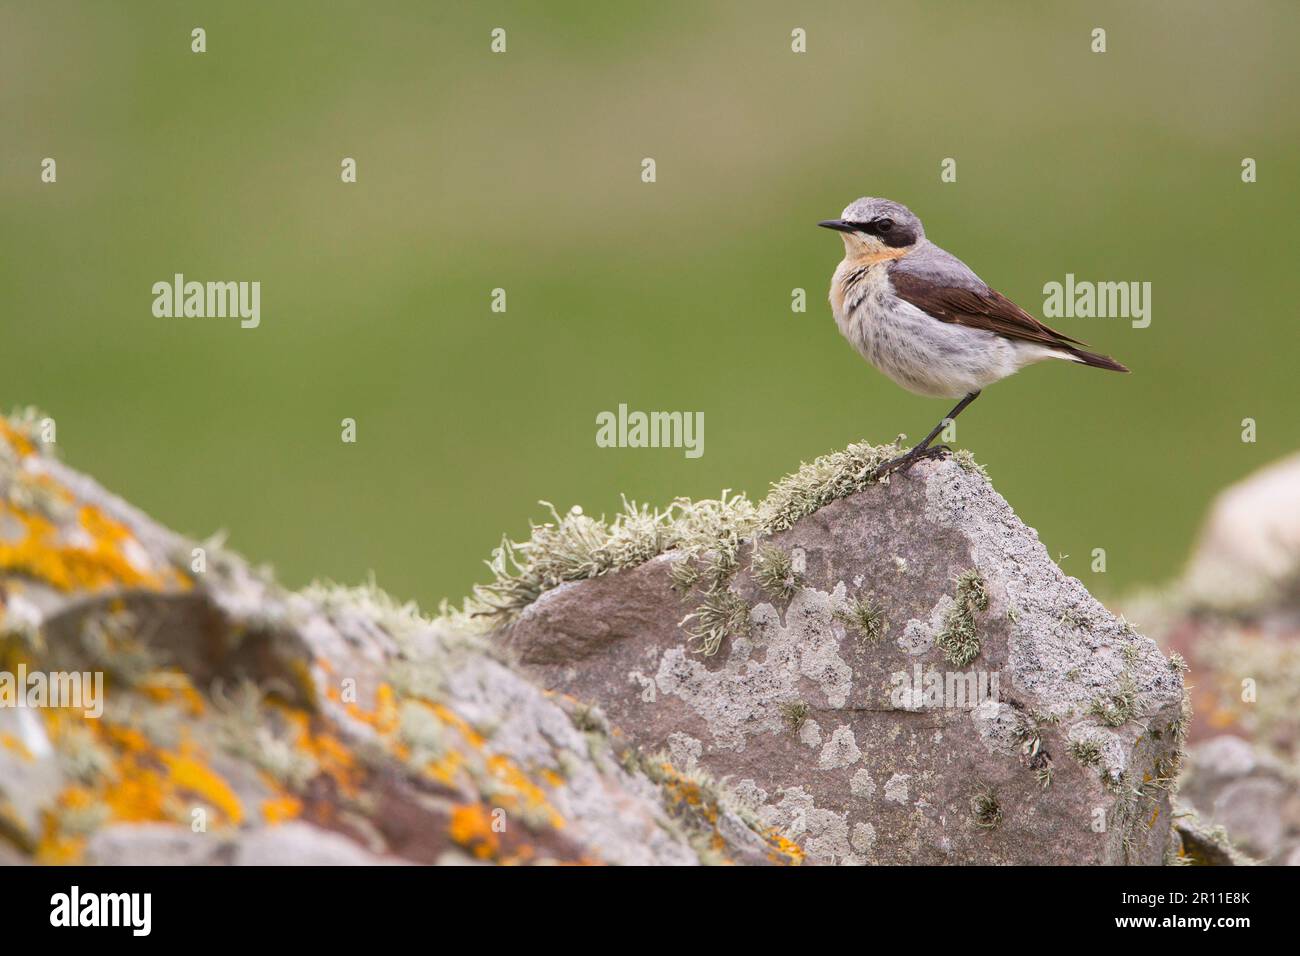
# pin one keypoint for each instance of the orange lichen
(783, 850)
(190, 774)
(20, 443)
(685, 795)
(12, 743)
(507, 773)
(331, 757)
(448, 716)
(471, 827)
(446, 767)
(42, 553)
(384, 718)
(552, 778)
(279, 809)
(173, 686)
(56, 848)
(144, 783)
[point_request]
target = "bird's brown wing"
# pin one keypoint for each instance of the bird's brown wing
(984, 309)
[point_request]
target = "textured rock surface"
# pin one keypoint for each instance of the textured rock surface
(804, 710)
(245, 724)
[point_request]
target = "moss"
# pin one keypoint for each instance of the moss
(959, 638)
(111, 643)
(866, 618)
(773, 571)
(1198, 844)
(1168, 769)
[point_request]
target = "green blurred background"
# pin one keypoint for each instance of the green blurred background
(522, 171)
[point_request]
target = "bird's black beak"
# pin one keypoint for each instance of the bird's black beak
(839, 225)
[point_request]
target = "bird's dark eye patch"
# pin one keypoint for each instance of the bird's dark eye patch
(882, 225)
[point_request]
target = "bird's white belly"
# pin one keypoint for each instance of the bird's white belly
(921, 353)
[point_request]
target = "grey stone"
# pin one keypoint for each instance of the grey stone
(892, 778)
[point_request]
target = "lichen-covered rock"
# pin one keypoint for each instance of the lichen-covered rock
(893, 673)
(844, 672)
(241, 723)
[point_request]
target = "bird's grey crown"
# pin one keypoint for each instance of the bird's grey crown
(869, 207)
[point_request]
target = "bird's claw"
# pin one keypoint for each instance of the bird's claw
(904, 462)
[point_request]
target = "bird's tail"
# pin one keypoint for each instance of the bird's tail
(1095, 360)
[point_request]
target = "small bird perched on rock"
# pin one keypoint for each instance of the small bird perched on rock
(921, 316)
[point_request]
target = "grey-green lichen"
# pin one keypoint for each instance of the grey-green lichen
(1087, 751)
(576, 546)
(1119, 706)
(243, 731)
(773, 571)
(822, 481)
(959, 638)
(865, 617)
(722, 613)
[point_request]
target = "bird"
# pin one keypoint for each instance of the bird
(922, 317)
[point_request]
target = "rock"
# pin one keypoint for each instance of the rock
(1056, 741)
(293, 843)
(242, 723)
(845, 672)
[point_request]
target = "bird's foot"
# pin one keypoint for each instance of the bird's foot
(904, 462)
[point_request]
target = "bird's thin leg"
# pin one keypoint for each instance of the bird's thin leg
(923, 449)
